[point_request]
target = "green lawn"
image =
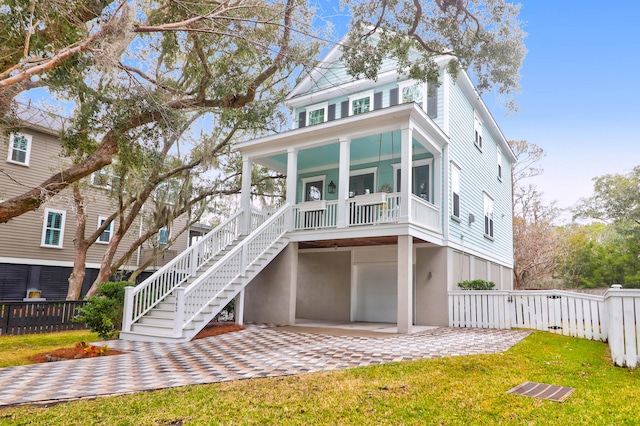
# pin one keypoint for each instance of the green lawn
(16, 350)
(447, 391)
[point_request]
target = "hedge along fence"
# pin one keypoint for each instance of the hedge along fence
(612, 318)
(39, 317)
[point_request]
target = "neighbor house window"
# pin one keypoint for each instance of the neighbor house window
(499, 159)
(100, 178)
(168, 192)
(361, 102)
(316, 114)
(19, 149)
(477, 131)
(412, 92)
(105, 178)
(105, 237)
(53, 228)
(488, 216)
(455, 191)
(163, 237)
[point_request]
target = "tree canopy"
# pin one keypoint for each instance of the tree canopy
(137, 71)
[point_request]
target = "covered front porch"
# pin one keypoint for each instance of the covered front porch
(349, 173)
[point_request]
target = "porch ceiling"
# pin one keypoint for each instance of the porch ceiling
(353, 242)
(364, 130)
(385, 146)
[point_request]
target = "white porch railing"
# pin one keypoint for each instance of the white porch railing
(424, 213)
(614, 317)
(370, 214)
(196, 297)
(142, 298)
(315, 219)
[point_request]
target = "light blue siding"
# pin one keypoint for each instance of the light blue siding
(478, 175)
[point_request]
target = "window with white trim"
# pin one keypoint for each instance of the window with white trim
(53, 228)
(105, 237)
(455, 191)
(412, 91)
(488, 216)
(420, 180)
(499, 159)
(477, 131)
(317, 114)
(360, 103)
(313, 188)
(362, 181)
(105, 178)
(19, 148)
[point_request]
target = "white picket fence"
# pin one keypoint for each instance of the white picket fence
(612, 318)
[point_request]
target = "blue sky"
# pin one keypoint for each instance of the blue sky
(580, 97)
(580, 93)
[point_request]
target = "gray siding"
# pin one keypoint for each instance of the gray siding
(21, 237)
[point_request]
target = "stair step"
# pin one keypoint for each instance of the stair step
(152, 329)
(152, 320)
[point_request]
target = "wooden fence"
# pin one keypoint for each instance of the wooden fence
(612, 318)
(39, 317)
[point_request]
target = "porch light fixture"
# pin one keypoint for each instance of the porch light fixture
(472, 218)
(332, 188)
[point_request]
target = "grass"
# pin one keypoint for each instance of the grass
(16, 350)
(446, 391)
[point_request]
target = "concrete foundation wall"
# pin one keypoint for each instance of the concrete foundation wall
(324, 285)
(270, 297)
(431, 291)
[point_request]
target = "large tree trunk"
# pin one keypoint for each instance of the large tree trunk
(106, 269)
(80, 248)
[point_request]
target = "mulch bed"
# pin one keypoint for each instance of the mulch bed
(215, 329)
(74, 352)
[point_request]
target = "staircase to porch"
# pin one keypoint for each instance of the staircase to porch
(180, 299)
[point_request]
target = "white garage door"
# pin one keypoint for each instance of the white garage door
(377, 293)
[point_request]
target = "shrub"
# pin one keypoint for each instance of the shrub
(103, 312)
(476, 285)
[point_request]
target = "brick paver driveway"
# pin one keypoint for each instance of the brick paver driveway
(251, 353)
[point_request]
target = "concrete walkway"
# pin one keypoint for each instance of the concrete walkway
(251, 353)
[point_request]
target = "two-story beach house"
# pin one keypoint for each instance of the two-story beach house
(36, 248)
(396, 191)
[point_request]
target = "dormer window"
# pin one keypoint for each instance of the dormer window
(317, 114)
(19, 149)
(477, 131)
(360, 103)
(411, 91)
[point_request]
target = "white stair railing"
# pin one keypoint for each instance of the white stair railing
(233, 265)
(141, 299)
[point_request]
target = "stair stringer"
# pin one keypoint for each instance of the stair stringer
(218, 303)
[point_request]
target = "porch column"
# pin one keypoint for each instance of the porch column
(293, 282)
(405, 283)
(292, 175)
(245, 198)
(238, 308)
(406, 154)
(438, 199)
(343, 183)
